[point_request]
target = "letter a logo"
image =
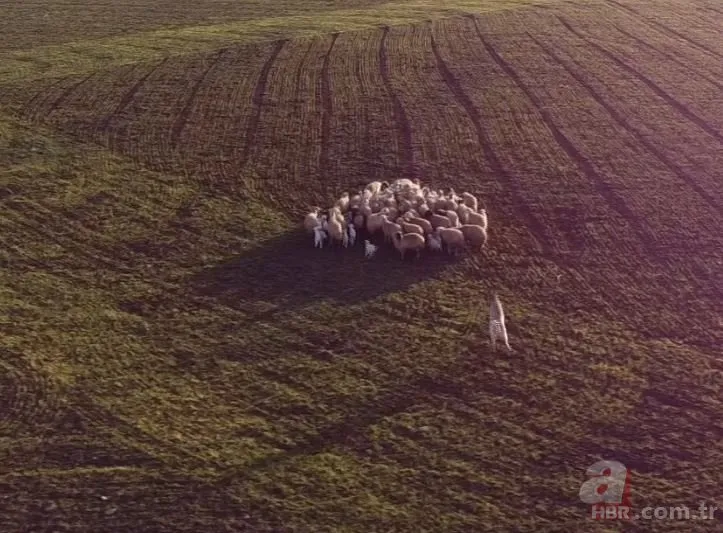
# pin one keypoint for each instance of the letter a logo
(609, 484)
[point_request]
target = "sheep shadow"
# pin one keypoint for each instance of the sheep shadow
(289, 273)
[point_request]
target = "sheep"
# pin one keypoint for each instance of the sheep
(311, 220)
(374, 222)
(498, 330)
(439, 221)
(336, 214)
(408, 241)
(404, 205)
(355, 200)
(319, 237)
(453, 219)
(453, 238)
(412, 228)
(389, 228)
(434, 242)
(369, 248)
(474, 235)
(478, 219)
(374, 187)
(336, 231)
(423, 209)
(421, 222)
(343, 202)
(351, 229)
(463, 211)
(470, 201)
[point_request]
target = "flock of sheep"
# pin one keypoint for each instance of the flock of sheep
(408, 215)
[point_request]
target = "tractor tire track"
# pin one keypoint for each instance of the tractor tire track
(668, 56)
(602, 187)
(666, 29)
(680, 107)
(182, 119)
(128, 97)
(538, 229)
(620, 119)
(400, 116)
(27, 108)
(59, 100)
(327, 108)
(257, 102)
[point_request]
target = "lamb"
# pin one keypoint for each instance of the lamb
(311, 220)
(412, 228)
(474, 235)
(453, 238)
(498, 331)
(408, 241)
(319, 237)
(434, 242)
(358, 220)
(369, 248)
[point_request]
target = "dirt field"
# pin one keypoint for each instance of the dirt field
(176, 356)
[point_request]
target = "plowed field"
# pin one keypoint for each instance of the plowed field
(176, 356)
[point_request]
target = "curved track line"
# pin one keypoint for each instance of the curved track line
(182, 119)
(682, 108)
(620, 119)
(128, 97)
(665, 28)
(258, 100)
(668, 56)
(405, 129)
(603, 188)
(66, 93)
(537, 228)
(327, 108)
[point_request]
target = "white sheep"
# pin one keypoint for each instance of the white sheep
(343, 202)
(453, 238)
(389, 228)
(319, 237)
(421, 222)
(470, 201)
(474, 235)
(412, 228)
(408, 241)
(453, 219)
(369, 249)
(336, 231)
(374, 222)
(311, 220)
(439, 221)
(478, 219)
(498, 330)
